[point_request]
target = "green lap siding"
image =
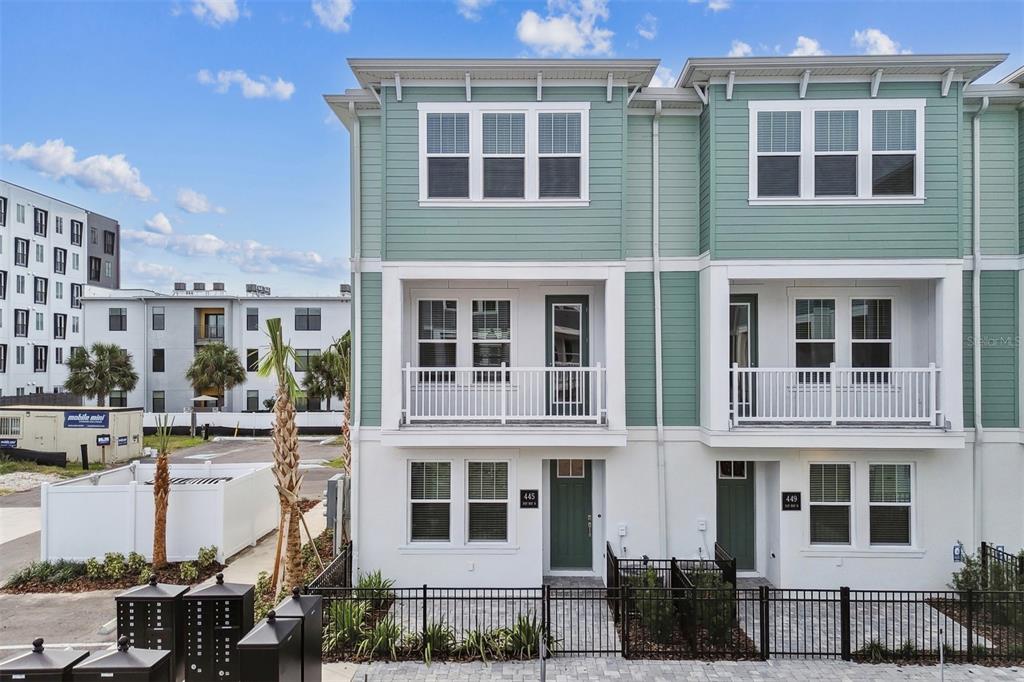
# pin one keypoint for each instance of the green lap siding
(1000, 188)
(371, 190)
(640, 382)
(999, 350)
(680, 306)
(739, 230)
(412, 232)
(639, 187)
(1020, 178)
(706, 178)
(369, 348)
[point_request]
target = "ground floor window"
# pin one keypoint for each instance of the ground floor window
(159, 403)
(252, 401)
(118, 398)
(890, 504)
(830, 495)
(488, 501)
(10, 426)
(430, 491)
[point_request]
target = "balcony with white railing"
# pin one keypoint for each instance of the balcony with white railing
(563, 396)
(836, 396)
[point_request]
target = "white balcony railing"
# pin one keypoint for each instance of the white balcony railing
(504, 395)
(832, 395)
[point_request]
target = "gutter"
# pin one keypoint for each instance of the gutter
(659, 383)
(355, 228)
(976, 449)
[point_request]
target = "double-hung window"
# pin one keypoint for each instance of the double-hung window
(252, 401)
(447, 138)
(437, 336)
(159, 401)
(40, 289)
(158, 360)
(42, 218)
(76, 233)
(58, 224)
(117, 319)
(492, 336)
(815, 335)
(504, 155)
(95, 264)
(252, 319)
(118, 398)
(487, 501)
(307, 319)
(20, 322)
(108, 242)
(893, 152)
(835, 153)
(430, 501)
(890, 504)
(21, 252)
(60, 260)
(3, 284)
(40, 354)
(871, 336)
(60, 325)
(158, 317)
(830, 496)
(303, 357)
(560, 154)
(778, 153)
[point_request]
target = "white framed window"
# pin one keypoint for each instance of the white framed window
(830, 503)
(430, 501)
(10, 426)
(836, 151)
(871, 335)
(732, 470)
(437, 336)
(890, 501)
(40, 253)
(492, 335)
(570, 468)
(504, 154)
(487, 501)
(815, 333)
(74, 261)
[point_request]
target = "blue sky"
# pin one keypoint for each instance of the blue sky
(200, 126)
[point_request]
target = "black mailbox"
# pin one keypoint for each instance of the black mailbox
(272, 652)
(153, 617)
(309, 609)
(38, 665)
(216, 617)
(125, 664)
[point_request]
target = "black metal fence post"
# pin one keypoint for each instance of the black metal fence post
(984, 565)
(424, 613)
(763, 606)
(970, 626)
(844, 621)
(545, 615)
(624, 593)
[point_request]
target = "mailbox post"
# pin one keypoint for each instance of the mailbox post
(272, 652)
(308, 610)
(153, 617)
(216, 618)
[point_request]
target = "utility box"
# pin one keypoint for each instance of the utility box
(308, 609)
(126, 664)
(216, 618)
(41, 666)
(338, 496)
(272, 652)
(153, 617)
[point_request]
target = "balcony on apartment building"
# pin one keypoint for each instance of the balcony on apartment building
(506, 362)
(209, 326)
(867, 362)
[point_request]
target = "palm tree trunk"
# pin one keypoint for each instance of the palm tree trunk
(346, 445)
(101, 400)
(161, 494)
(289, 480)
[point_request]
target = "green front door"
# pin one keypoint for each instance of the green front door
(571, 521)
(736, 514)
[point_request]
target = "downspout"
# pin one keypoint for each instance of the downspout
(659, 383)
(355, 227)
(976, 464)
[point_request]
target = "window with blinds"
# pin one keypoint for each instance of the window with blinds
(487, 487)
(778, 153)
(437, 334)
(559, 149)
(890, 504)
(815, 333)
(504, 152)
(829, 505)
(492, 336)
(448, 155)
(871, 336)
(835, 153)
(893, 147)
(430, 489)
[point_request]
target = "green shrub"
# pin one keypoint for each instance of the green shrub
(94, 569)
(381, 640)
(523, 638)
(114, 565)
(437, 641)
(188, 572)
(51, 572)
(376, 589)
(907, 652)
(715, 605)
(144, 575)
(476, 644)
(344, 624)
(135, 563)
(207, 556)
(875, 652)
(654, 603)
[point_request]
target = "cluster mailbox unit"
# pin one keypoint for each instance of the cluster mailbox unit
(126, 664)
(41, 666)
(153, 617)
(309, 610)
(216, 618)
(272, 652)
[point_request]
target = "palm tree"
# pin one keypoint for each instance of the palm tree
(96, 371)
(343, 348)
(324, 377)
(215, 366)
(161, 491)
(277, 363)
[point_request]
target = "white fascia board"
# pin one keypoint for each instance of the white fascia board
(835, 438)
(503, 437)
(850, 268)
(490, 270)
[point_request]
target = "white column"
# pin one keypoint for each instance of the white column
(714, 348)
(615, 346)
(391, 349)
(949, 297)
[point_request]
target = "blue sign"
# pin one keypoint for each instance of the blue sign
(86, 420)
(122, 440)
(8, 442)
(103, 439)
(958, 553)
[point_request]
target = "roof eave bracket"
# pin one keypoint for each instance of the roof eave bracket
(876, 80)
(611, 81)
(398, 86)
(540, 86)
(947, 80)
(702, 94)
(805, 79)
(469, 88)
(729, 85)
(632, 95)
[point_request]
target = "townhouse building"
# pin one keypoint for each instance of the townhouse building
(45, 263)
(163, 332)
(775, 308)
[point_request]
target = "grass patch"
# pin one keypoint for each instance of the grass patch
(12, 466)
(175, 443)
(336, 463)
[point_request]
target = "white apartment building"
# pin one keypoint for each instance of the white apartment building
(44, 261)
(163, 332)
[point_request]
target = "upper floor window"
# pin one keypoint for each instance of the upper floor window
(3, 211)
(3, 284)
(307, 319)
(252, 319)
(76, 232)
(60, 260)
(504, 154)
(41, 220)
(108, 242)
(94, 268)
(41, 286)
(836, 151)
(20, 212)
(21, 251)
(158, 317)
(118, 319)
(58, 224)
(76, 295)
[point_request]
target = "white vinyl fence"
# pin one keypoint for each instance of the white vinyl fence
(246, 421)
(227, 505)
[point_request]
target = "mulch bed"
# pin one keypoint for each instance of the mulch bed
(737, 647)
(305, 504)
(171, 575)
(1006, 640)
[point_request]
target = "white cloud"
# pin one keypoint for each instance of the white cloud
(333, 14)
(740, 49)
(648, 27)
(471, 9)
(160, 224)
(152, 274)
(251, 89)
(57, 160)
(714, 5)
(807, 47)
(663, 78)
(570, 29)
(195, 202)
(873, 41)
(248, 255)
(216, 12)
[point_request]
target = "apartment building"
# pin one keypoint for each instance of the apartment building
(163, 332)
(44, 262)
(773, 308)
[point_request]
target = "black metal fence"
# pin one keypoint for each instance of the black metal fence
(338, 573)
(1001, 570)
